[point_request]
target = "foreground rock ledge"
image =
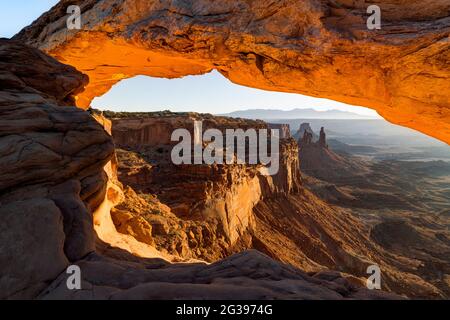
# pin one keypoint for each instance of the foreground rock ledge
(320, 48)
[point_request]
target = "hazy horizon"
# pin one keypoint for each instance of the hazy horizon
(298, 113)
(208, 93)
(237, 113)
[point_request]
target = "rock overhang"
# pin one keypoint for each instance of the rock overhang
(316, 47)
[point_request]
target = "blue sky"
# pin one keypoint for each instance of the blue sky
(16, 14)
(210, 93)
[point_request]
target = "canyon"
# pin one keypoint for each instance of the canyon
(403, 204)
(97, 190)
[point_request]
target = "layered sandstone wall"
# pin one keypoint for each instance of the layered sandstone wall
(150, 129)
(208, 212)
(52, 178)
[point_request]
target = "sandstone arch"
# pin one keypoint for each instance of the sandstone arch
(314, 47)
(320, 48)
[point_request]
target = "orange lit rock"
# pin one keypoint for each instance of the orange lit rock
(315, 47)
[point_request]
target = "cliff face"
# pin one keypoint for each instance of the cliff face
(52, 177)
(285, 131)
(305, 127)
(316, 47)
(222, 195)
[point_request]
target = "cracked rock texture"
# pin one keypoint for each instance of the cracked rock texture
(319, 48)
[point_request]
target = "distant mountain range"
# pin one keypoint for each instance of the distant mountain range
(295, 114)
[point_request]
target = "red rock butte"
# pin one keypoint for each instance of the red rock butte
(314, 47)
